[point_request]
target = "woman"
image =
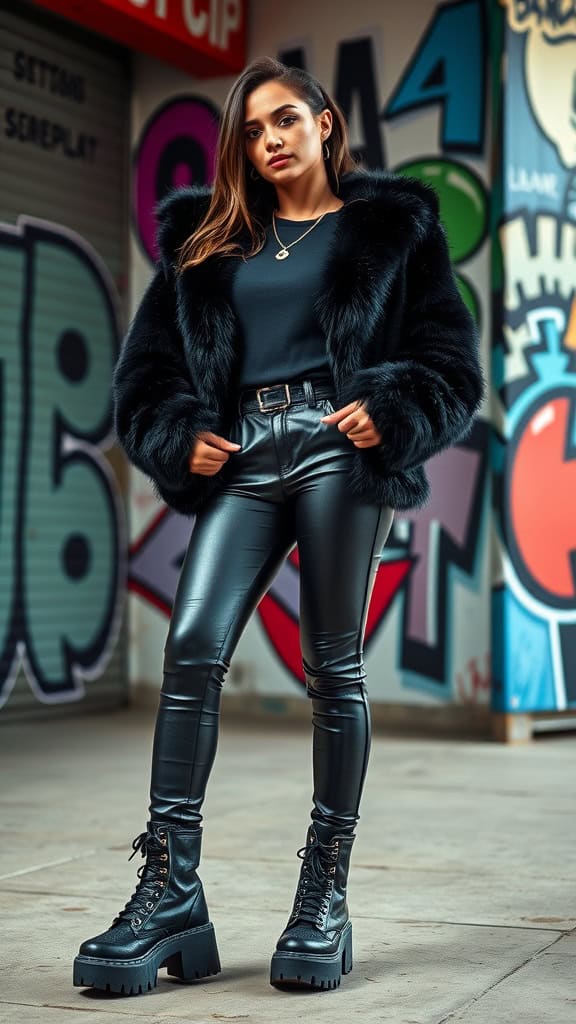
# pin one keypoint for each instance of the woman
(301, 350)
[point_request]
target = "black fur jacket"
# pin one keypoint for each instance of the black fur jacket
(398, 337)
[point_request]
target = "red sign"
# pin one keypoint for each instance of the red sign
(204, 37)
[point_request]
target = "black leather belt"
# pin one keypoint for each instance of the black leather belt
(274, 397)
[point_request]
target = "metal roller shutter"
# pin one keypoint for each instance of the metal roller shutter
(64, 178)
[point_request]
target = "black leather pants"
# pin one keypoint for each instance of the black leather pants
(287, 486)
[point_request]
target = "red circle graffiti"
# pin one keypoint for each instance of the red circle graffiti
(543, 497)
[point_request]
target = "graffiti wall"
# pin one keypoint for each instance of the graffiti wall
(534, 363)
(414, 89)
(63, 269)
(62, 538)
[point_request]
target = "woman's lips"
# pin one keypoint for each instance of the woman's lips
(279, 163)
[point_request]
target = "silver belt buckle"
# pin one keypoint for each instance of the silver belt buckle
(277, 405)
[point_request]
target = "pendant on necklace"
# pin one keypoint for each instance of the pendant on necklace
(282, 254)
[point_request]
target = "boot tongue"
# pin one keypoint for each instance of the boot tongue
(154, 826)
(322, 832)
(326, 833)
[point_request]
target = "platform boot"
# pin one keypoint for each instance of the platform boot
(164, 923)
(315, 948)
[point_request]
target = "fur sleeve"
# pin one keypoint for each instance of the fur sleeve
(156, 412)
(425, 398)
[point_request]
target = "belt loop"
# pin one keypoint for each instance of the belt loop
(309, 393)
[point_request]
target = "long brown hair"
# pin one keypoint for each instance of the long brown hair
(237, 201)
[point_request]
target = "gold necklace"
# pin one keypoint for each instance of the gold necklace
(283, 251)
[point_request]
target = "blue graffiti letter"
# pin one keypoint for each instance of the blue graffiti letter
(449, 68)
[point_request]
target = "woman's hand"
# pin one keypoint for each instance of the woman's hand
(354, 421)
(210, 452)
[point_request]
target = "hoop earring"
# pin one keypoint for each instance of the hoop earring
(326, 151)
(256, 176)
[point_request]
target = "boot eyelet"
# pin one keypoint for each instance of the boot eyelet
(157, 895)
(136, 921)
(163, 871)
(149, 904)
(163, 856)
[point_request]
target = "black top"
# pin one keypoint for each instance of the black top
(283, 340)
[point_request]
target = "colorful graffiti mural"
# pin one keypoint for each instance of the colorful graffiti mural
(429, 554)
(534, 365)
(63, 540)
(177, 147)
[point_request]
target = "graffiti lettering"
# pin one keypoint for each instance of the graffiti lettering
(51, 77)
(520, 179)
(61, 549)
(555, 13)
(449, 68)
(444, 537)
(49, 135)
(357, 96)
(177, 147)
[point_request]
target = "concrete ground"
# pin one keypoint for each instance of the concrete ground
(462, 887)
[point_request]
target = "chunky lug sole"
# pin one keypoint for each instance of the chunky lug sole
(313, 970)
(189, 955)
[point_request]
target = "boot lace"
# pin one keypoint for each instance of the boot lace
(314, 890)
(149, 889)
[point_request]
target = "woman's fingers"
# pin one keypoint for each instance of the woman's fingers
(363, 433)
(210, 452)
(216, 441)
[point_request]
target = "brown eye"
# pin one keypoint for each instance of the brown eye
(288, 118)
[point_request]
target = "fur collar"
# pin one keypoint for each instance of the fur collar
(393, 206)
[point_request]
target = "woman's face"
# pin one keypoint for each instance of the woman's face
(300, 132)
